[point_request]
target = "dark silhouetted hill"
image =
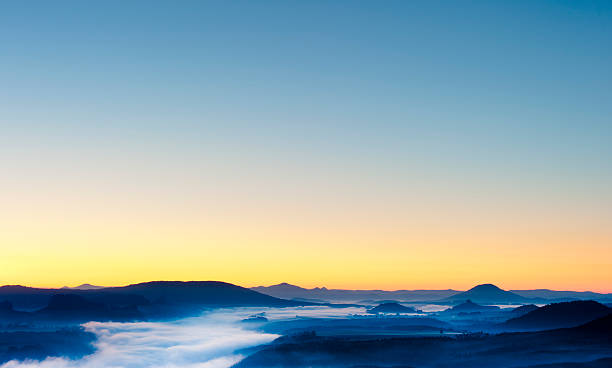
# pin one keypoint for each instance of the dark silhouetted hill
(8, 314)
(6, 306)
(205, 293)
(71, 302)
(112, 299)
(26, 298)
(70, 307)
(285, 288)
(37, 345)
(468, 306)
(601, 325)
(523, 309)
(391, 308)
(366, 326)
(487, 294)
(158, 300)
(589, 345)
(559, 315)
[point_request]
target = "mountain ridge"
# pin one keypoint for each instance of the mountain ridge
(374, 296)
(197, 293)
(559, 315)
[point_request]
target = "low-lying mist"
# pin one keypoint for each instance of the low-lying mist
(208, 341)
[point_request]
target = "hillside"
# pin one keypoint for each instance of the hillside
(487, 294)
(523, 309)
(580, 346)
(558, 315)
(150, 300)
(206, 293)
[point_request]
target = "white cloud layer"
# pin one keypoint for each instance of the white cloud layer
(203, 342)
(209, 341)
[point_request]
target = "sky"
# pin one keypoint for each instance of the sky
(347, 144)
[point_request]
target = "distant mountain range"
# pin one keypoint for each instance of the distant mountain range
(83, 287)
(554, 294)
(481, 294)
(288, 291)
(132, 302)
(165, 299)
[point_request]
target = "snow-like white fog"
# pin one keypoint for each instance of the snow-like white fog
(208, 341)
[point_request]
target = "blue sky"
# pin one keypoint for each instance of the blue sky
(483, 103)
(464, 72)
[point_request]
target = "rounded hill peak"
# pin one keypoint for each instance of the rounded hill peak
(485, 287)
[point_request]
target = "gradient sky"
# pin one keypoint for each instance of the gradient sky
(352, 144)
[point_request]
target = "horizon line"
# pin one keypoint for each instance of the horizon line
(308, 288)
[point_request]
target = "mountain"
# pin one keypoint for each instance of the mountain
(602, 325)
(149, 300)
(391, 308)
(28, 347)
(558, 315)
(204, 293)
(71, 307)
(6, 306)
(523, 309)
(26, 298)
(468, 307)
(365, 326)
(585, 346)
(7, 312)
(83, 287)
(70, 302)
(558, 295)
(288, 291)
(31, 299)
(487, 294)
(322, 294)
